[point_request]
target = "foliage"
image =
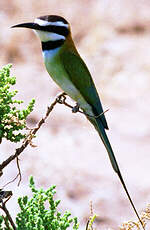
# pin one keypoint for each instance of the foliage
(34, 215)
(12, 120)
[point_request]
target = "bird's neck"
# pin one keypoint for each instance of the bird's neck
(51, 48)
(54, 47)
(50, 54)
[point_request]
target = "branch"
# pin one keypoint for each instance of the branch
(61, 99)
(31, 134)
(3, 195)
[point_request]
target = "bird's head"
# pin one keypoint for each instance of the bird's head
(49, 28)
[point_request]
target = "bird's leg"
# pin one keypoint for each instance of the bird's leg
(61, 99)
(75, 109)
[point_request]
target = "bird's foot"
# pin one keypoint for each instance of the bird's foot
(61, 98)
(75, 109)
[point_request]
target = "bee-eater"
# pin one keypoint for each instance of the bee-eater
(68, 70)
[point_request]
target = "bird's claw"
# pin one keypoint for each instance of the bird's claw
(75, 109)
(61, 98)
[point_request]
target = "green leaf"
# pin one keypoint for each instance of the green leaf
(12, 119)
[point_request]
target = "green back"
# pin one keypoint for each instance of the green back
(81, 78)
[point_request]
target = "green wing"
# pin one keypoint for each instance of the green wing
(81, 78)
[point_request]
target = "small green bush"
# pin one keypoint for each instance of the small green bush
(33, 213)
(35, 216)
(12, 120)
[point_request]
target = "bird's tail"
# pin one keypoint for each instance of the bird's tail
(101, 131)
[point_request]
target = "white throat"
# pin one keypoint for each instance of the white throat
(48, 36)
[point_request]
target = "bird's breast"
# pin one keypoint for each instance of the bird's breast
(58, 73)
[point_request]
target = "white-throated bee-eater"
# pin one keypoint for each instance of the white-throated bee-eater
(71, 74)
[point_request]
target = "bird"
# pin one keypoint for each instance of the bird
(66, 67)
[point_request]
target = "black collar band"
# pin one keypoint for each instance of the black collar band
(50, 45)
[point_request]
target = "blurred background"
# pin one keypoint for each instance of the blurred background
(113, 37)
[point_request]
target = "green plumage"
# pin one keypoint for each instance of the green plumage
(68, 70)
(81, 78)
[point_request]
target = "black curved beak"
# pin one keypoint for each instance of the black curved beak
(29, 25)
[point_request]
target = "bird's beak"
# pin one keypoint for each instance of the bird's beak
(29, 25)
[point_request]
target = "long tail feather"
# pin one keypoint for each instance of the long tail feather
(101, 131)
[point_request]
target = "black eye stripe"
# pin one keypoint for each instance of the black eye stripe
(61, 30)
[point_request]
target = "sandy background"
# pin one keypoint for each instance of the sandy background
(113, 37)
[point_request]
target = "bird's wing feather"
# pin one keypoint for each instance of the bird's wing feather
(81, 78)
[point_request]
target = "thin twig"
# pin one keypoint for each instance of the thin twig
(10, 181)
(19, 171)
(61, 99)
(3, 207)
(30, 136)
(6, 222)
(87, 225)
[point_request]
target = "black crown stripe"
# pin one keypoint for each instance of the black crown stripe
(50, 45)
(53, 18)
